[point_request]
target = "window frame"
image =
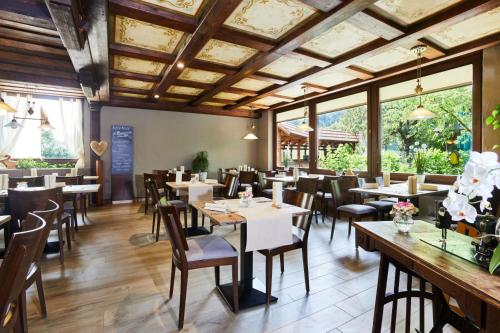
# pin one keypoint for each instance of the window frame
(373, 107)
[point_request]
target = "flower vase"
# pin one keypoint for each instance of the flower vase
(403, 222)
(420, 178)
(245, 202)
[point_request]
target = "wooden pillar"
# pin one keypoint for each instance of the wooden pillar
(374, 162)
(96, 165)
(313, 139)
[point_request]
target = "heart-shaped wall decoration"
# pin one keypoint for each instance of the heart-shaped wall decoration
(99, 148)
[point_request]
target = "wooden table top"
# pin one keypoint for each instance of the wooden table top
(68, 189)
(234, 218)
(185, 185)
(424, 257)
(4, 219)
(400, 190)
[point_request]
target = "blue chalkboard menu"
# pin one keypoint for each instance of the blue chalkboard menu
(122, 163)
(122, 150)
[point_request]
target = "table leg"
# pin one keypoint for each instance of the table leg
(248, 296)
(195, 230)
(379, 300)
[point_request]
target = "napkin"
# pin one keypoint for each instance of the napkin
(33, 172)
(412, 184)
(428, 187)
(210, 181)
(4, 182)
(277, 194)
(387, 179)
(182, 168)
(178, 177)
(296, 173)
(200, 192)
(216, 207)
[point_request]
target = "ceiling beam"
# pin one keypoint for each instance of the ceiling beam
(31, 37)
(136, 52)
(216, 14)
(376, 24)
(38, 61)
(212, 67)
(27, 20)
(267, 77)
(420, 29)
(240, 91)
(130, 90)
(144, 12)
(315, 87)
(133, 76)
(37, 78)
(180, 107)
(310, 29)
(193, 84)
(237, 37)
(38, 70)
(9, 44)
(176, 95)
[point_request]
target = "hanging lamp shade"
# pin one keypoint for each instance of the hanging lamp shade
(6, 107)
(305, 127)
(251, 135)
(420, 113)
(13, 124)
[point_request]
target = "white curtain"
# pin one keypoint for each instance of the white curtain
(65, 115)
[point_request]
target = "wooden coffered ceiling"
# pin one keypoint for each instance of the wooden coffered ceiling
(239, 57)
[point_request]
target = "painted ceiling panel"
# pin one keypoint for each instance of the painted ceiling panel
(199, 75)
(270, 100)
(227, 95)
(134, 84)
(466, 31)
(269, 18)
(184, 90)
(286, 67)
(213, 104)
(225, 53)
(146, 35)
(387, 59)
(410, 11)
(124, 94)
(252, 84)
(173, 99)
(188, 7)
(340, 39)
(331, 77)
(293, 92)
(135, 65)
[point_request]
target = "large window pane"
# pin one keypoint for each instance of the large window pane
(342, 133)
(291, 142)
(444, 138)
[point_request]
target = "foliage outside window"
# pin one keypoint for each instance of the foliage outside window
(342, 134)
(441, 139)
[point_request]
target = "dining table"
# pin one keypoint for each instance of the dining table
(449, 266)
(194, 229)
(248, 295)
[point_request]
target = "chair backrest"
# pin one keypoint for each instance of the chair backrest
(231, 186)
(186, 176)
(303, 200)
(14, 269)
(170, 218)
(161, 172)
(326, 184)
(30, 181)
(308, 185)
(158, 179)
(22, 202)
(340, 190)
(247, 177)
(48, 215)
(70, 180)
(151, 187)
(366, 180)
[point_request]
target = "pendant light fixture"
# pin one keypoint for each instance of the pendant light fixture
(6, 107)
(420, 113)
(13, 124)
(304, 126)
(251, 135)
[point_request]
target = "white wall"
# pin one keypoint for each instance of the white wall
(168, 139)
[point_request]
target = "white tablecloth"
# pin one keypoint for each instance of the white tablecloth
(267, 227)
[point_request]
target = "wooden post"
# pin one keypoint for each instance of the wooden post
(96, 165)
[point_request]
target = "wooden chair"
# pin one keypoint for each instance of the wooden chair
(265, 187)
(301, 226)
(344, 202)
(71, 200)
(310, 185)
(35, 272)
(31, 181)
(13, 271)
(230, 191)
(158, 179)
(246, 179)
(200, 252)
(325, 195)
(382, 207)
(23, 202)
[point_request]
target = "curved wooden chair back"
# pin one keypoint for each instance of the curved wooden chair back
(307, 185)
(340, 191)
(48, 215)
(70, 180)
(31, 181)
(186, 176)
(231, 186)
(14, 269)
(152, 189)
(303, 200)
(170, 218)
(247, 177)
(161, 172)
(326, 184)
(22, 202)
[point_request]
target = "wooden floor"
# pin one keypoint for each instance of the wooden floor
(116, 279)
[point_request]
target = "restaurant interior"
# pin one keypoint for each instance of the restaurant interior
(249, 166)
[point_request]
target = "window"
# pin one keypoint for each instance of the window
(445, 139)
(342, 133)
(292, 143)
(29, 140)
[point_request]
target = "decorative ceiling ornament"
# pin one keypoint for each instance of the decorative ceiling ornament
(420, 113)
(99, 148)
(305, 126)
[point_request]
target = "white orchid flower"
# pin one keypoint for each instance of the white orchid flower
(476, 181)
(459, 208)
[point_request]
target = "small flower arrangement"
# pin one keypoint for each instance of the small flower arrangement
(245, 197)
(404, 208)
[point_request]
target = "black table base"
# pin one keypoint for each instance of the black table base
(196, 231)
(248, 297)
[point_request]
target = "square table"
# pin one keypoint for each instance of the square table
(194, 230)
(248, 296)
(400, 191)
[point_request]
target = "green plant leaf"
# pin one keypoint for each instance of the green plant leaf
(489, 120)
(496, 112)
(496, 126)
(495, 260)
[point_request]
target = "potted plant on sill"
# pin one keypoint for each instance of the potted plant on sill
(286, 161)
(200, 164)
(420, 161)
